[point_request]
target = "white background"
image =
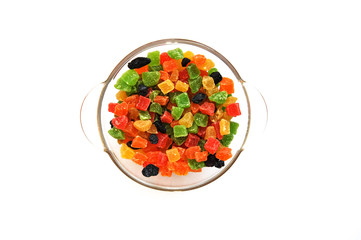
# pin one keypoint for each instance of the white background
(300, 181)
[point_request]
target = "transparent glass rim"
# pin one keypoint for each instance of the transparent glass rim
(122, 63)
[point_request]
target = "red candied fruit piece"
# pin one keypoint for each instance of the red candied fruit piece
(150, 148)
(233, 110)
(224, 154)
(152, 116)
(162, 100)
(202, 131)
(139, 158)
(166, 117)
(121, 109)
(174, 123)
(111, 107)
(120, 122)
(192, 140)
(183, 75)
(194, 108)
(207, 108)
(164, 57)
(212, 145)
(170, 65)
(130, 130)
(143, 103)
(203, 73)
(218, 130)
(162, 140)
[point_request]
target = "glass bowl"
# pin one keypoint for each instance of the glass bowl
(95, 117)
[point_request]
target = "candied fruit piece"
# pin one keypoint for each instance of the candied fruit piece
(224, 154)
(188, 54)
(201, 156)
(210, 132)
(193, 71)
(116, 133)
(207, 108)
(162, 100)
(180, 131)
(195, 84)
(154, 58)
(177, 112)
(164, 57)
(199, 60)
(233, 110)
(156, 108)
(190, 152)
(224, 127)
(166, 86)
(182, 100)
(173, 155)
(226, 85)
(139, 142)
(219, 97)
(164, 75)
(126, 152)
(121, 109)
(212, 145)
(150, 78)
(120, 122)
(139, 158)
(230, 100)
(187, 120)
(233, 127)
(143, 125)
(170, 65)
(194, 165)
(121, 95)
(208, 83)
(166, 117)
(133, 113)
(192, 140)
(201, 119)
(181, 86)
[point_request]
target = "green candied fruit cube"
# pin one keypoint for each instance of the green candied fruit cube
(201, 119)
(212, 70)
(194, 165)
(156, 107)
(155, 68)
(219, 97)
(116, 133)
(201, 143)
(176, 112)
(227, 139)
(168, 128)
(150, 78)
(180, 131)
(179, 140)
(121, 85)
(182, 100)
(195, 84)
(233, 127)
(193, 71)
(172, 96)
(130, 77)
(193, 128)
(154, 58)
(144, 115)
(175, 53)
(153, 94)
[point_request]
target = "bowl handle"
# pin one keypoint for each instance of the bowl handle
(89, 116)
(258, 112)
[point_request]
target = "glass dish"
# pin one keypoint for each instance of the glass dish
(95, 117)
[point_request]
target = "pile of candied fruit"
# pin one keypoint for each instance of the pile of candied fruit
(174, 113)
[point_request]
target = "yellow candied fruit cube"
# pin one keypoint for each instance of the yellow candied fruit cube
(187, 120)
(181, 86)
(208, 83)
(166, 86)
(224, 127)
(230, 100)
(207, 65)
(173, 154)
(126, 152)
(218, 114)
(121, 95)
(188, 54)
(142, 125)
(210, 132)
(212, 91)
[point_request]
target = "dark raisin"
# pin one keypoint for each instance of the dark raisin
(138, 62)
(185, 61)
(199, 97)
(150, 170)
(153, 138)
(219, 164)
(211, 160)
(217, 77)
(111, 124)
(129, 144)
(142, 89)
(160, 127)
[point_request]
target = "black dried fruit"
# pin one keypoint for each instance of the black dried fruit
(199, 97)
(160, 127)
(211, 160)
(217, 77)
(153, 138)
(142, 89)
(129, 144)
(219, 164)
(138, 62)
(150, 170)
(185, 61)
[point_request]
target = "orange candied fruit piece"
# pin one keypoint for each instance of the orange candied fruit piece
(201, 156)
(164, 75)
(162, 100)
(199, 60)
(173, 155)
(133, 113)
(130, 130)
(132, 100)
(174, 76)
(165, 172)
(139, 158)
(226, 85)
(224, 154)
(180, 167)
(190, 152)
(210, 132)
(194, 107)
(170, 65)
(121, 109)
(142, 69)
(139, 142)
